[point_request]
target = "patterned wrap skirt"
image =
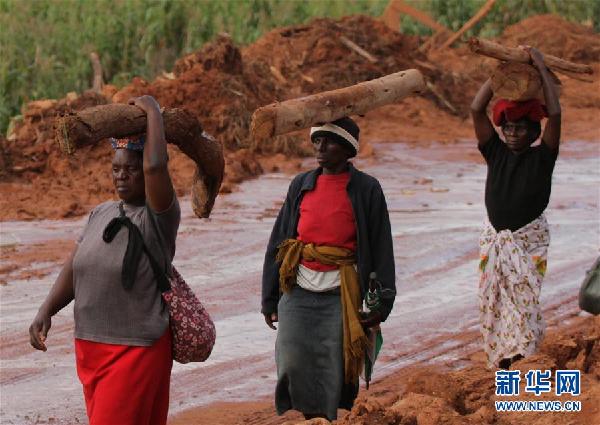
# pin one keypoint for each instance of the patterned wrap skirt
(309, 354)
(512, 267)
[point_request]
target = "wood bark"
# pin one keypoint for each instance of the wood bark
(182, 129)
(516, 81)
(470, 23)
(519, 81)
(296, 114)
(488, 48)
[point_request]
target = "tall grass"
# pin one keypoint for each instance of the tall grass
(45, 44)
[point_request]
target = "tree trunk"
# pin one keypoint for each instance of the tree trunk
(296, 114)
(488, 48)
(182, 129)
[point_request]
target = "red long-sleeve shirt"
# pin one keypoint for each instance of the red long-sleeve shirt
(326, 217)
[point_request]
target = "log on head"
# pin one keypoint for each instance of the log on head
(182, 129)
(296, 114)
(513, 54)
(519, 81)
(516, 81)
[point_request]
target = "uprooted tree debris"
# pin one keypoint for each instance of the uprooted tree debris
(222, 84)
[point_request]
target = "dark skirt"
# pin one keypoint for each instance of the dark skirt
(309, 354)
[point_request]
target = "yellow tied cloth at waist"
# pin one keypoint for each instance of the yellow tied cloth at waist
(290, 252)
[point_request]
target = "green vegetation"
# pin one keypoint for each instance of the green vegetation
(45, 44)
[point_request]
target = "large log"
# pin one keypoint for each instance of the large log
(519, 81)
(182, 129)
(296, 114)
(488, 48)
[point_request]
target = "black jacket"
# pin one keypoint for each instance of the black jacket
(374, 253)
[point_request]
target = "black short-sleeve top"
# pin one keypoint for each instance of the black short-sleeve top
(517, 188)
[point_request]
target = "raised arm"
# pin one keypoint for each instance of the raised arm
(60, 295)
(484, 130)
(551, 136)
(159, 188)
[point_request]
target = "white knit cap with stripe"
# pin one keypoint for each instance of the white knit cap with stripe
(335, 129)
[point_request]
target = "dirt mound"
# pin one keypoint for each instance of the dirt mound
(223, 84)
(555, 36)
(432, 395)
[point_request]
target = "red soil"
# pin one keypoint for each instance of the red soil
(433, 395)
(223, 84)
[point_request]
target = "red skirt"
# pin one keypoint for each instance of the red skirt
(125, 385)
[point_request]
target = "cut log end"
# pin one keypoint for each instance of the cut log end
(263, 123)
(519, 82)
(516, 81)
(181, 128)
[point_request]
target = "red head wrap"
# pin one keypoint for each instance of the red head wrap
(513, 111)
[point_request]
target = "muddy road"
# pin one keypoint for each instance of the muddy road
(435, 199)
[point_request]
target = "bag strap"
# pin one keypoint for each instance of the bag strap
(159, 274)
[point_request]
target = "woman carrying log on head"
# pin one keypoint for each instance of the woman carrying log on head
(122, 336)
(332, 231)
(515, 239)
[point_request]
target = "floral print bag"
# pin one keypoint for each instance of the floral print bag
(193, 331)
(191, 326)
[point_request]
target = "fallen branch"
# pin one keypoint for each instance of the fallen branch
(391, 16)
(493, 50)
(182, 129)
(433, 89)
(355, 47)
(296, 114)
(434, 40)
(97, 82)
(278, 75)
(470, 23)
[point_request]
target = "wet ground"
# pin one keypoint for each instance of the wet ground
(435, 199)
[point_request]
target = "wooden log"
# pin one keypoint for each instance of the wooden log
(296, 114)
(488, 48)
(182, 129)
(470, 23)
(519, 81)
(516, 81)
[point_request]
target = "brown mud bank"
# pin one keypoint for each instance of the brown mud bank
(455, 393)
(222, 84)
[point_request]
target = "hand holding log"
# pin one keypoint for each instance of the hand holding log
(488, 48)
(296, 114)
(182, 129)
